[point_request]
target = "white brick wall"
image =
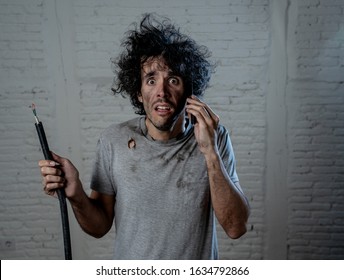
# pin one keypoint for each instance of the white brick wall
(315, 133)
(58, 56)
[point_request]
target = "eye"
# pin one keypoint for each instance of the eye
(150, 82)
(174, 81)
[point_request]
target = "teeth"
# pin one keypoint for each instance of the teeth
(163, 108)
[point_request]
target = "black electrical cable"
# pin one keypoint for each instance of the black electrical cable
(60, 192)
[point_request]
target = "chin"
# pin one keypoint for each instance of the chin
(164, 126)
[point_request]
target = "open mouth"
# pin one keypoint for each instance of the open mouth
(163, 109)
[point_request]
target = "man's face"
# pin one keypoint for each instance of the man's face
(161, 94)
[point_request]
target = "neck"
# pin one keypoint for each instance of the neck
(164, 135)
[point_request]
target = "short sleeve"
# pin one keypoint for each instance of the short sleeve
(101, 178)
(227, 153)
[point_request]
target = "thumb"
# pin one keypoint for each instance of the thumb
(57, 158)
(62, 162)
(66, 165)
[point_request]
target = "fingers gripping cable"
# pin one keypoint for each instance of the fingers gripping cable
(60, 192)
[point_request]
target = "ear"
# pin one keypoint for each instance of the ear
(139, 97)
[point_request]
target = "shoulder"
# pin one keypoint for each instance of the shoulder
(223, 138)
(221, 129)
(223, 133)
(119, 130)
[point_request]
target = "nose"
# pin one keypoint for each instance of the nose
(162, 89)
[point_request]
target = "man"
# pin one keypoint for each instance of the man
(160, 177)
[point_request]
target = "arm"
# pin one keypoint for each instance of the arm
(95, 213)
(229, 203)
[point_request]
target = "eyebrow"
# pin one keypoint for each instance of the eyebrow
(153, 73)
(149, 74)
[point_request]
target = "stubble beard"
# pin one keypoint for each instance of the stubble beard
(171, 122)
(166, 126)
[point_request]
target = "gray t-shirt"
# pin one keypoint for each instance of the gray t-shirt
(163, 208)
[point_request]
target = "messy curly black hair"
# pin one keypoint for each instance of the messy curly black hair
(157, 36)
